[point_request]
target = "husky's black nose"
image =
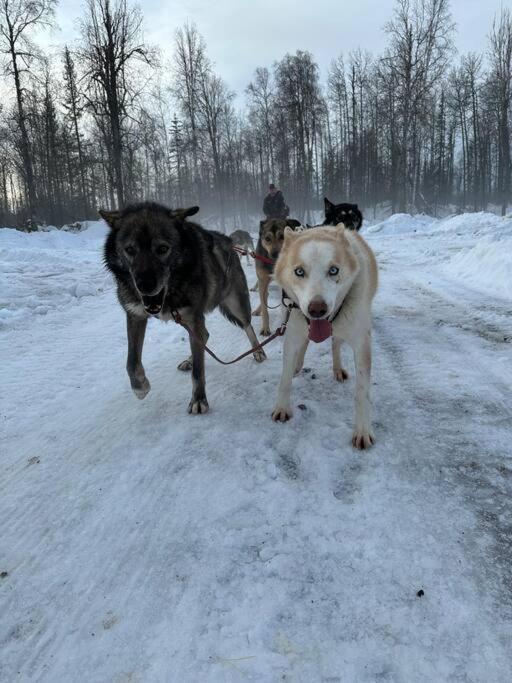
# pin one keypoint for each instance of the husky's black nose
(275, 254)
(317, 308)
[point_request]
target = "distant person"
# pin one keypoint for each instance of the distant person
(274, 205)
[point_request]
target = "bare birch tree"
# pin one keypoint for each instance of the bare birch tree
(500, 53)
(112, 35)
(18, 20)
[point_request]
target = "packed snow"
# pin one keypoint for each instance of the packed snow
(41, 271)
(140, 543)
(474, 249)
(401, 223)
(487, 265)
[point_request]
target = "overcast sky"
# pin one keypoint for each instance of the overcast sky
(244, 34)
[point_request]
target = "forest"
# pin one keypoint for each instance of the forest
(107, 121)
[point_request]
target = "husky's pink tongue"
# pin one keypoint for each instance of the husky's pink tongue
(319, 330)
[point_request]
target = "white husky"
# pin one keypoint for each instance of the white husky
(330, 275)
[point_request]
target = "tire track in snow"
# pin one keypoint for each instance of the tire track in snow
(478, 474)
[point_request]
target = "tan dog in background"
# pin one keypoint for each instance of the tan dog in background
(270, 242)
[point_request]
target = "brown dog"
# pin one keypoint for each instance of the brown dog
(269, 245)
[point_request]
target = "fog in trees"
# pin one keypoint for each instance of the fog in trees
(107, 121)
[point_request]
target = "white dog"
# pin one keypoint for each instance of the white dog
(330, 275)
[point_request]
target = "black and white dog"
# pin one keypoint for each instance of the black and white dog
(348, 214)
(164, 264)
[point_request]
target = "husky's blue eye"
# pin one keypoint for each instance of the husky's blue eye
(334, 270)
(299, 272)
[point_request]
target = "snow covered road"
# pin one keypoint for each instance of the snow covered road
(143, 544)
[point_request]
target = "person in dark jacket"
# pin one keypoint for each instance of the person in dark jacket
(274, 205)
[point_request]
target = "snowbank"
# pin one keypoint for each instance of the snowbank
(486, 266)
(465, 223)
(473, 248)
(52, 238)
(401, 223)
(481, 222)
(44, 270)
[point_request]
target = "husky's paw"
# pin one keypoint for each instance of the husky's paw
(257, 311)
(198, 406)
(362, 439)
(260, 356)
(281, 414)
(340, 375)
(141, 389)
(185, 365)
(265, 332)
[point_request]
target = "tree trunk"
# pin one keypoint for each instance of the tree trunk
(24, 139)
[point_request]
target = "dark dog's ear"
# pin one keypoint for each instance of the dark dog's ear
(293, 223)
(328, 205)
(110, 217)
(181, 214)
(354, 206)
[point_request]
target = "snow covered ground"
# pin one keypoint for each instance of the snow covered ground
(139, 543)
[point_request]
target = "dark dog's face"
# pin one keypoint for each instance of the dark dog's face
(147, 243)
(272, 234)
(348, 214)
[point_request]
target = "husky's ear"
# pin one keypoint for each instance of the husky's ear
(328, 205)
(289, 235)
(181, 214)
(262, 223)
(111, 218)
(293, 223)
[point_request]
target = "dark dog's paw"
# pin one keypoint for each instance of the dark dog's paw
(141, 389)
(281, 414)
(185, 365)
(340, 375)
(259, 356)
(265, 332)
(198, 406)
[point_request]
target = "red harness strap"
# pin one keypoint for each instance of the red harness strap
(278, 333)
(254, 255)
